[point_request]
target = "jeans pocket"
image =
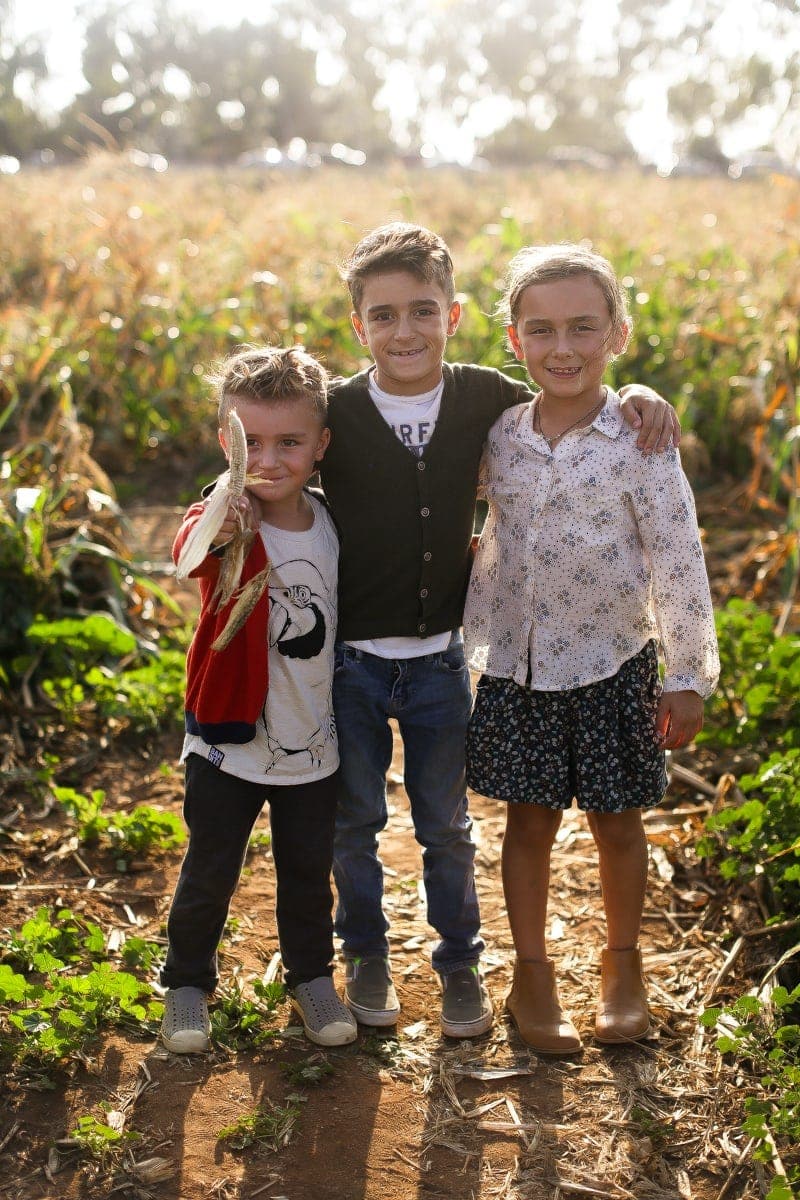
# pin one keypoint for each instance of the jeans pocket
(452, 660)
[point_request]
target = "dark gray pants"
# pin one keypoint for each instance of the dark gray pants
(220, 811)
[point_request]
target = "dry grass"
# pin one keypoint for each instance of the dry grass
(656, 1121)
(211, 222)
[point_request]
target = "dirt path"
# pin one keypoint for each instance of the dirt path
(413, 1114)
(410, 1116)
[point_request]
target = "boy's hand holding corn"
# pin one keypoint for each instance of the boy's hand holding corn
(243, 513)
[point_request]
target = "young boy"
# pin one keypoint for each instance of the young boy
(259, 720)
(401, 475)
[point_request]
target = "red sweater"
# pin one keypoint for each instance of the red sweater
(225, 689)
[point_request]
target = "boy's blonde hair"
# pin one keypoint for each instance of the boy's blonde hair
(271, 373)
(399, 246)
(547, 264)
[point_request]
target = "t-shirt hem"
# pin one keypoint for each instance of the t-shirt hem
(263, 777)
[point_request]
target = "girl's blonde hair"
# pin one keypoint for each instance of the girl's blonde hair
(547, 264)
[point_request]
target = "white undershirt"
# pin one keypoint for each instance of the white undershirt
(413, 420)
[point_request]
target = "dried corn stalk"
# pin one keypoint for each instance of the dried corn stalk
(228, 488)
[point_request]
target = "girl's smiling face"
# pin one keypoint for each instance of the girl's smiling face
(564, 335)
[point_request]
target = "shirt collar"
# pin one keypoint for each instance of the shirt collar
(609, 420)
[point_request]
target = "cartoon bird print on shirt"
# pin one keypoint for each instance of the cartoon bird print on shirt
(296, 621)
(297, 630)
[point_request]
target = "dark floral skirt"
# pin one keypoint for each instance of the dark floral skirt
(596, 744)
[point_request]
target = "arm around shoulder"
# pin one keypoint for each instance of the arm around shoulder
(655, 418)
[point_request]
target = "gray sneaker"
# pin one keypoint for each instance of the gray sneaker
(326, 1021)
(369, 992)
(185, 1026)
(466, 1006)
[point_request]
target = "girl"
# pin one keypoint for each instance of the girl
(590, 553)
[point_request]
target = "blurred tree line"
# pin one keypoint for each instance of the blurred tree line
(526, 75)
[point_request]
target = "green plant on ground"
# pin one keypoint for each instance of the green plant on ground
(100, 1142)
(269, 1127)
(239, 1022)
(93, 660)
(50, 1020)
(755, 705)
(387, 1050)
(62, 651)
(260, 839)
(145, 829)
(81, 623)
(137, 953)
(51, 941)
(58, 990)
(764, 1040)
(763, 834)
(308, 1071)
(647, 1124)
(145, 697)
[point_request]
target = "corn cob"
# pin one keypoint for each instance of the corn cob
(247, 599)
(228, 486)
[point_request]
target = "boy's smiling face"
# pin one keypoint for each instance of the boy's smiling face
(285, 438)
(405, 322)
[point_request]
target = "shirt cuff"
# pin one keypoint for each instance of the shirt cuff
(690, 683)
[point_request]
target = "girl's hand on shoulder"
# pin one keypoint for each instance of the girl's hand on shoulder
(679, 719)
(653, 416)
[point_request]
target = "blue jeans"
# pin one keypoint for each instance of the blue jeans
(430, 698)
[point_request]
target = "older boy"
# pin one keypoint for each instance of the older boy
(401, 475)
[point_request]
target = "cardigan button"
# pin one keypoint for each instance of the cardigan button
(423, 595)
(422, 627)
(424, 512)
(420, 465)
(427, 556)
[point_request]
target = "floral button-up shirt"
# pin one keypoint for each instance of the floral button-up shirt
(589, 550)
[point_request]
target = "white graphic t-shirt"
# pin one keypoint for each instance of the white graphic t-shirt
(295, 738)
(413, 420)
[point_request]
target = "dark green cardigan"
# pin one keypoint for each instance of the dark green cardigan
(406, 522)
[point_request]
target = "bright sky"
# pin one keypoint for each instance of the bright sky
(649, 129)
(57, 19)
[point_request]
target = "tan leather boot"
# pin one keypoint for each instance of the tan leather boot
(622, 1014)
(535, 1010)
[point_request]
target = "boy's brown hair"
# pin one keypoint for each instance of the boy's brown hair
(271, 373)
(399, 246)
